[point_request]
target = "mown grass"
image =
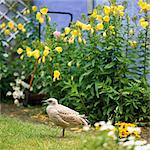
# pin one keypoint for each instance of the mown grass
(18, 135)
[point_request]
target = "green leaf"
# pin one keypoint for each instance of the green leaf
(83, 75)
(110, 65)
(96, 89)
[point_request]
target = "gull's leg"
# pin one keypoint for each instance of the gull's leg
(63, 132)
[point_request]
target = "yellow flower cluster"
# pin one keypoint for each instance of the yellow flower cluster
(41, 15)
(124, 131)
(58, 49)
(144, 6)
(36, 53)
(114, 9)
(133, 43)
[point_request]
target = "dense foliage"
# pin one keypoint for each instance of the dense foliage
(98, 66)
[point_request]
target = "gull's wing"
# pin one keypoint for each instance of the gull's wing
(73, 119)
(65, 110)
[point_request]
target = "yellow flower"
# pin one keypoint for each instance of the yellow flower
(38, 15)
(29, 53)
(133, 43)
(120, 8)
(141, 20)
(41, 19)
(46, 52)
(34, 8)
(107, 10)
(11, 25)
(20, 26)
(36, 54)
(65, 39)
(19, 51)
(99, 18)
(56, 75)
(23, 30)
(43, 59)
(47, 48)
(44, 11)
(131, 32)
(99, 26)
(79, 24)
(111, 27)
(94, 14)
(3, 25)
(144, 24)
(58, 49)
(28, 49)
(7, 32)
(88, 27)
(121, 13)
(67, 30)
(106, 18)
(79, 39)
(74, 33)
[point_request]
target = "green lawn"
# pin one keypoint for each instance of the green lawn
(18, 135)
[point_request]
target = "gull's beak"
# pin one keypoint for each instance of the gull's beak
(45, 102)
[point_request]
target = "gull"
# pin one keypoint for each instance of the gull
(63, 116)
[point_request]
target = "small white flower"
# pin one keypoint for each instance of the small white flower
(102, 123)
(134, 129)
(22, 77)
(5, 55)
(16, 88)
(128, 143)
(12, 84)
(25, 85)
(18, 81)
(16, 74)
(16, 102)
(131, 138)
(8, 93)
(139, 143)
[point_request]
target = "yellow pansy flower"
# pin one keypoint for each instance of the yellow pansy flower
(36, 53)
(94, 14)
(3, 25)
(111, 27)
(20, 26)
(38, 15)
(120, 8)
(99, 26)
(67, 30)
(19, 51)
(144, 24)
(58, 49)
(74, 33)
(41, 19)
(44, 11)
(7, 32)
(11, 25)
(46, 52)
(56, 75)
(99, 18)
(28, 49)
(106, 18)
(29, 53)
(107, 10)
(34, 8)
